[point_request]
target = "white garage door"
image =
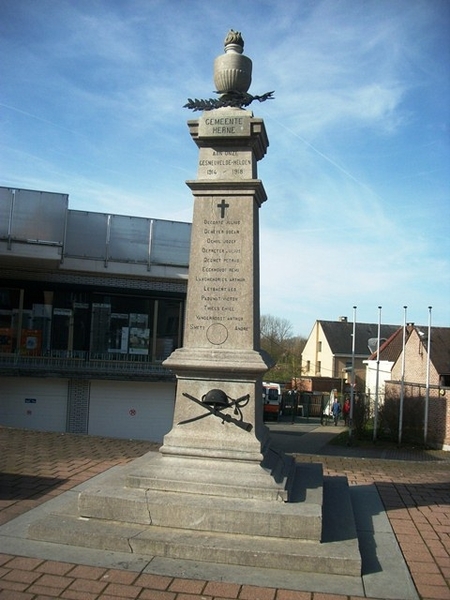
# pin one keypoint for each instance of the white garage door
(132, 409)
(33, 403)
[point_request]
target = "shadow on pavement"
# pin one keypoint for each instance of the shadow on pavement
(23, 487)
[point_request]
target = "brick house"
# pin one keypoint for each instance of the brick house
(415, 376)
(390, 351)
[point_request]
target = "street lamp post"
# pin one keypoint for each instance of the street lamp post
(352, 379)
(402, 385)
(427, 389)
(377, 379)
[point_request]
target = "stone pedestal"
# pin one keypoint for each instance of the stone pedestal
(222, 449)
(221, 339)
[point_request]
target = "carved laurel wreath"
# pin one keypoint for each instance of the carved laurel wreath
(234, 99)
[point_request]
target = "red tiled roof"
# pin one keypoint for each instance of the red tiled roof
(391, 349)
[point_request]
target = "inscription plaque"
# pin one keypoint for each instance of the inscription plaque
(222, 163)
(225, 125)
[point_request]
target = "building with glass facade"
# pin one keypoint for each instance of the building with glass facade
(90, 306)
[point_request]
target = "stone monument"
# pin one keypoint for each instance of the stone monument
(218, 410)
(217, 492)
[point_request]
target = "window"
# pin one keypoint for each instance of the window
(81, 322)
(9, 304)
(444, 380)
(168, 332)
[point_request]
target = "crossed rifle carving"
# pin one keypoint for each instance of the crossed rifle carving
(213, 410)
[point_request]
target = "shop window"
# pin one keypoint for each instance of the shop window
(119, 333)
(61, 328)
(81, 327)
(168, 328)
(79, 323)
(9, 303)
(139, 334)
(121, 325)
(100, 321)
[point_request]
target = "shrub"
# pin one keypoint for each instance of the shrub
(412, 422)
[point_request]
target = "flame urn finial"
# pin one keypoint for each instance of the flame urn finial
(232, 78)
(234, 37)
(233, 70)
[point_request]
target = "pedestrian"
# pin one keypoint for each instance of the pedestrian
(346, 411)
(336, 410)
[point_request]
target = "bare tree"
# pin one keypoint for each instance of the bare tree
(283, 347)
(274, 334)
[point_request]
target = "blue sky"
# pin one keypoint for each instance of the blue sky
(358, 168)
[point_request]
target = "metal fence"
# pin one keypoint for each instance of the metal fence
(83, 364)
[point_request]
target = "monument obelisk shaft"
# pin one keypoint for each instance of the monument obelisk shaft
(221, 338)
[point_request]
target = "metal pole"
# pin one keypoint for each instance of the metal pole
(377, 380)
(427, 392)
(352, 378)
(402, 387)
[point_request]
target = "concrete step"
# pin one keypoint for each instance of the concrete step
(337, 553)
(339, 558)
(301, 518)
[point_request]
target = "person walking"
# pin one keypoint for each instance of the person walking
(346, 411)
(336, 410)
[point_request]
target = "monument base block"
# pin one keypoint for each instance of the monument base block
(268, 481)
(214, 497)
(205, 511)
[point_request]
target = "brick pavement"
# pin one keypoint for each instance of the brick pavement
(37, 466)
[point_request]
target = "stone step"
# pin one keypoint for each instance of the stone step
(272, 480)
(300, 519)
(339, 558)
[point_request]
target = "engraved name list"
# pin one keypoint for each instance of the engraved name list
(220, 280)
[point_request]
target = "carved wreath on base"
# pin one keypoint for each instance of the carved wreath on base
(233, 99)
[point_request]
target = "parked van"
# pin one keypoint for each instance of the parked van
(271, 401)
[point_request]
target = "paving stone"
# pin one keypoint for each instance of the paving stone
(416, 495)
(156, 582)
(188, 586)
(250, 592)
